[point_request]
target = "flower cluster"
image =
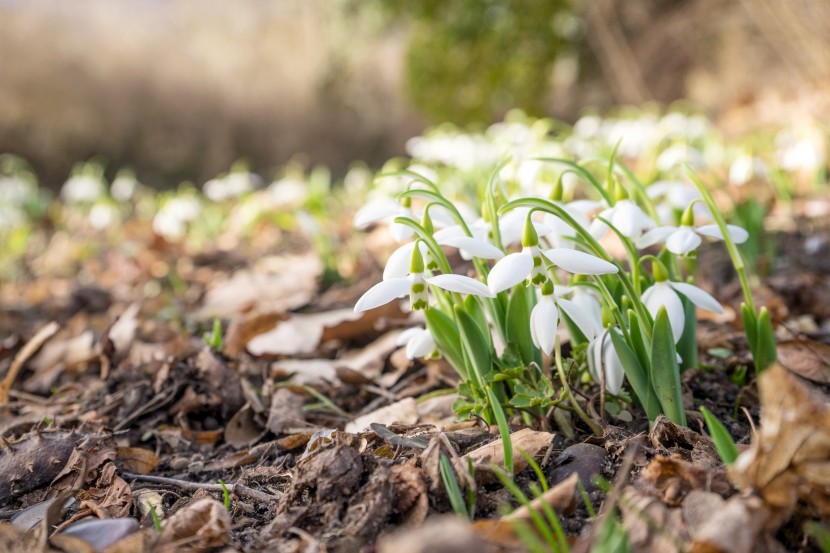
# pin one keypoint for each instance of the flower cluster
(558, 251)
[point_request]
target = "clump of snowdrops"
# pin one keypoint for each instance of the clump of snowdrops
(540, 273)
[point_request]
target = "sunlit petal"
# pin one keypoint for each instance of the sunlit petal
(614, 373)
(580, 263)
(407, 335)
(697, 296)
(655, 236)
(509, 271)
(421, 345)
(397, 266)
(543, 322)
(461, 284)
(629, 219)
(662, 295)
(473, 246)
(584, 320)
(382, 293)
(374, 211)
(738, 234)
(683, 241)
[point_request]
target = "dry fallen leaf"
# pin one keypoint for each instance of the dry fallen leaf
(137, 459)
(806, 358)
(527, 440)
(789, 459)
(403, 411)
(22, 356)
(200, 526)
(275, 284)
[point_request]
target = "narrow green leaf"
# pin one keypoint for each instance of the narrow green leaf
(517, 326)
(638, 341)
(720, 436)
(504, 430)
(452, 487)
(767, 352)
(476, 347)
(687, 347)
(637, 376)
(665, 373)
(447, 338)
(750, 321)
(474, 308)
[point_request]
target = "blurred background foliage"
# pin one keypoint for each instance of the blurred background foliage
(180, 89)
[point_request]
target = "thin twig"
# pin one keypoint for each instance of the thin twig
(238, 489)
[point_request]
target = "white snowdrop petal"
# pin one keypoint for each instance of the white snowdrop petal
(397, 266)
(461, 284)
(444, 233)
(543, 322)
(698, 296)
(683, 241)
(580, 263)
(662, 295)
(407, 335)
(581, 318)
(401, 232)
(382, 293)
(738, 234)
(614, 373)
(629, 219)
(375, 211)
(421, 345)
(655, 236)
(509, 271)
(473, 246)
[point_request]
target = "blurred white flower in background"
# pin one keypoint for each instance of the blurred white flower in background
(171, 220)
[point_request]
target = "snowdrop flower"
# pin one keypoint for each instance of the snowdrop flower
(544, 318)
(745, 168)
(676, 196)
(81, 188)
(664, 293)
(415, 285)
(529, 264)
(678, 154)
(171, 220)
(419, 343)
(686, 238)
(604, 363)
(386, 209)
(626, 216)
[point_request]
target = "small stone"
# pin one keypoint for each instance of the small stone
(586, 460)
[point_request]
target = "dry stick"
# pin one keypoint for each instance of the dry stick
(238, 489)
(23, 355)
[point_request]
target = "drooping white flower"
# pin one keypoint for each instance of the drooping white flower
(544, 318)
(419, 343)
(386, 209)
(686, 239)
(415, 285)
(745, 168)
(530, 263)
(604, 363)
(664, 293)
(626, 216)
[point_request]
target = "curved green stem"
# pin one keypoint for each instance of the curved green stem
(563, 378)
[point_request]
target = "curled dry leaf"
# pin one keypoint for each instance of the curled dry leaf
(286, 412)
(200, 526)
(789, 459)
(562, 498)
(672, 479)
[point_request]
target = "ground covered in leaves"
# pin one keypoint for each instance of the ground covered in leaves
(130, 422)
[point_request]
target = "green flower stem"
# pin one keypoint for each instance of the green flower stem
(584, 173)
(563, 378)
(734, 254)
